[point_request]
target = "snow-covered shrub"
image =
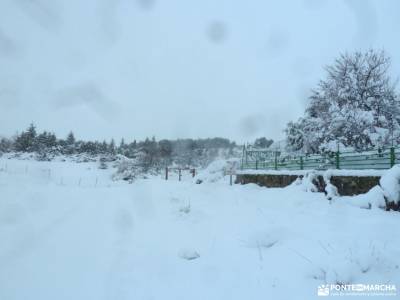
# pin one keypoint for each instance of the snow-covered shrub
(43, 156)
(330, 190)
(351, 264)
(102, 163)
(83, 158)
(390, 183)
(308, 182)
(127, 169)
(216, 170)
(188, 254)
(185, 209)
(130, 169)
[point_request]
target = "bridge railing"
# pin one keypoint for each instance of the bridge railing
(274, 160)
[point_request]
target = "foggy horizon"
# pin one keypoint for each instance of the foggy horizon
(136, 69)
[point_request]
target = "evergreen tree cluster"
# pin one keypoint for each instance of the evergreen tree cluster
(263, 143)
(150, 152)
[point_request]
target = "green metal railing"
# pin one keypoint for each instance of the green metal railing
(274, 160)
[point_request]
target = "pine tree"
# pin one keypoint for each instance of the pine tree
(263, 142)
(121, 147)
(70, 139)
(111, 147)
(69, 146)
(25, 142)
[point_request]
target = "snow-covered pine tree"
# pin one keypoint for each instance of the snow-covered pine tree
(25, 142)
(111, 147)
(70, 138)
(5, 145)
(121, 147)
(70, 144)
(263, 142)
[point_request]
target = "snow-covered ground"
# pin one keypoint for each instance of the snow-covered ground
(68, 232)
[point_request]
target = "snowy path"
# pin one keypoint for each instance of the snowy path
(128, 242)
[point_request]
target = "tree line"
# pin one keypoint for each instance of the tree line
(150, 152)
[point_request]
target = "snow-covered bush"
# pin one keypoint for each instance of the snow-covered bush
(130, 169)
(185, 209)
(308, 182)
(331, 191)
(390, 183)
(216, 170)
(352, 263)
(83, 158)
(188, 254)
(103, 163)
(127, 169)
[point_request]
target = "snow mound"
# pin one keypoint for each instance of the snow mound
(375, 198)
(188, 254)
(390, 183)
(261, 240)
(216, 170)
(349, 264)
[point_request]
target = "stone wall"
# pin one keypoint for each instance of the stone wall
(346, 185)
(352, 185)
(266, 180)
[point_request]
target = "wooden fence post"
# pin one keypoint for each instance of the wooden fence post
(243, 153)
(180, 174)
(166, 173)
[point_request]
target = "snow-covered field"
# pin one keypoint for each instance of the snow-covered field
(68, 232)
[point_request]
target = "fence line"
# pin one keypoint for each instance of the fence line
(273, 160)
(46, 175)
(168, 170)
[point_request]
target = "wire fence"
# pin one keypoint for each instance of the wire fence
(45, 175)
(273, 160)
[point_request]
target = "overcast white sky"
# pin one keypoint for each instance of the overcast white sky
(176, 68)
